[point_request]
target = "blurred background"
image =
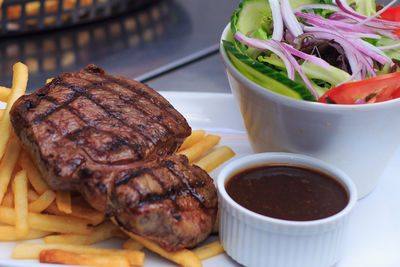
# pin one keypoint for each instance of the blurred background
(170, 44)
(149, 40)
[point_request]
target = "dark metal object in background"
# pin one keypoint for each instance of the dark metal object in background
(29, 16)
(143, 43)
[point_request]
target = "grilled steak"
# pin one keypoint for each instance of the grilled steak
(113, 140)
(163, 197)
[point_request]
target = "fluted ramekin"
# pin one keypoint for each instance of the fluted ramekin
(256, 240)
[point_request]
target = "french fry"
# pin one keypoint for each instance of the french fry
(71, 258)
(99, 233)
(184, 257)
(196, 136)
(215, 158)
(81, 211)
(7, 164)
(209, 250)
(119, 234)
(4, 93)
(49, 80)
(42, 202)
(1, 113)
(21, 204)
(63, 201)
(20, 79)
(32, 195)
(8, 233)
(8, 200)
(34, 176)
(32, 251)
(132, 244)
(201, 147)
(51, 223)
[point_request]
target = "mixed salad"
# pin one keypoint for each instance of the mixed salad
(343, 52)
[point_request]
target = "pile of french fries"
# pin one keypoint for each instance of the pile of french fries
(30, 209)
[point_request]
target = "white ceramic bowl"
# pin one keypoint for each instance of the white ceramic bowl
(359, 139)
(256, 240)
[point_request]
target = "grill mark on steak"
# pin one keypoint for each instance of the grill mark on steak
(133, 102)
(167, 193)
(116, 116)
(84, 93)
(78, 93)
(115, 143)
(126, 178)
(199, 197)
(118, 86)
(140, 91)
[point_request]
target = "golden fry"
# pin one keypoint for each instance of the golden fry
(132, 244)
(21, 203)
(71, 258)
(32, 251)
(34, 176)
(63, 201)
(215, 158)
(196, 136)
(20, 79)
(1, 113)
(119, 234)
(209, 250)
(49, 80)
(201, 147)
(32, 195)
(81, 211)
(99, 234)
(184, 257)
(4, 94)
(8, 200)
(42, 202)
(45, 222)
(7, 164)
(8, 233)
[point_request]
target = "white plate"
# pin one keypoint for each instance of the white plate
(374, 239)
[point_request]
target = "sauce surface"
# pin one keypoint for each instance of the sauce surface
(287, 192)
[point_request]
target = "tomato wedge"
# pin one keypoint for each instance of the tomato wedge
(392, 14)
(376, 89)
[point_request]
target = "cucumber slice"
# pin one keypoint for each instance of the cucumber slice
(253, 18)
(266, 76)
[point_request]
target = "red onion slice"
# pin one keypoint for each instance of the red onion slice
(265, 45)
(342, 4)
(296, 65)
(277, 34)
(290, 19)
(338, 24)
(317, 6)
(387, 47)
(311, 58)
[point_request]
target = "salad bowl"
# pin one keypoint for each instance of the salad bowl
(359, 139)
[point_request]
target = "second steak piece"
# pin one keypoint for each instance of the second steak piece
(166, 200)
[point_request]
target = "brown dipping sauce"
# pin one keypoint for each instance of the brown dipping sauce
(288, 192)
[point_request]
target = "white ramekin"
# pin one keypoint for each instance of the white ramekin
(256, 240)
